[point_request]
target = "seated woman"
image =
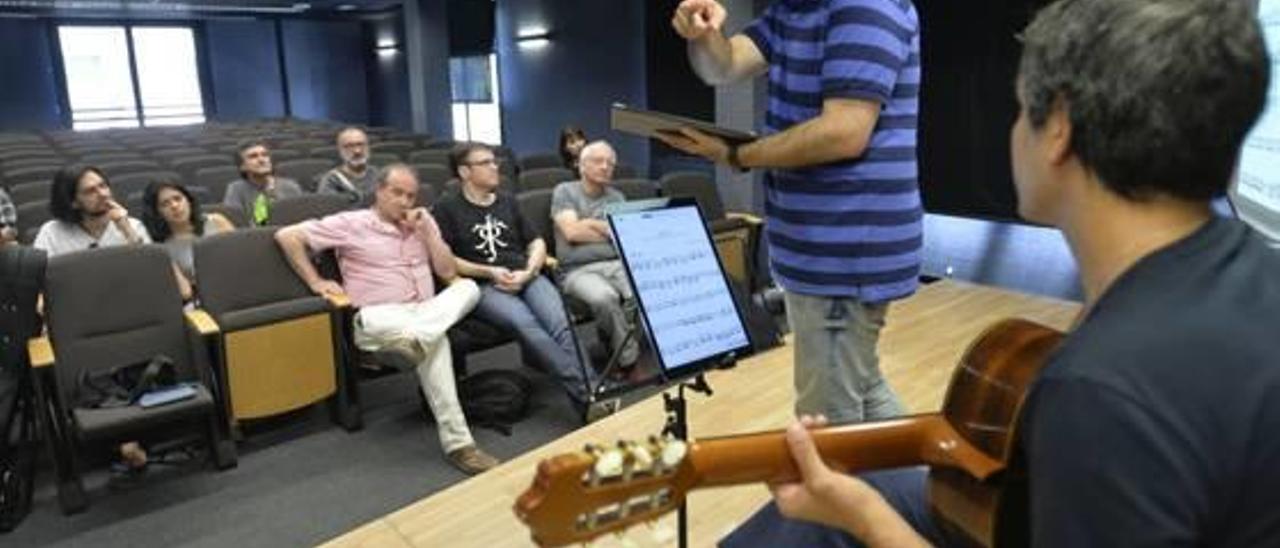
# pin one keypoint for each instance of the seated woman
(174, 220)
(572, 139)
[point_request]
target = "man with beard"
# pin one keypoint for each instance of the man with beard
(355, 178)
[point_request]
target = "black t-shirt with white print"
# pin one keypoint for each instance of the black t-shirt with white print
(496, 234)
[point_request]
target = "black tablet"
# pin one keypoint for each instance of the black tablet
(687, 308)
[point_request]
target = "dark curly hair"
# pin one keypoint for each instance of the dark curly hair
(157, 227)
(567, 133)
(62, 194)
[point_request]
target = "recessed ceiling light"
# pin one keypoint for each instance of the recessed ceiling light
(345, 7)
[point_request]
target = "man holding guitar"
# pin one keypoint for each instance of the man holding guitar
(1157, 421)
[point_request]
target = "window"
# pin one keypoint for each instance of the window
(477, 114)
(102, 64)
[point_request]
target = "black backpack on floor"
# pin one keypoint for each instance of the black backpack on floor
(21, 278)
(495, 399)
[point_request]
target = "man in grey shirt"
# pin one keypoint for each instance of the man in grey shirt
(355, 178)
(584, 247)
(258, 186)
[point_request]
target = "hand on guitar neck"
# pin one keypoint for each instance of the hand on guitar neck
(836, 499)
(968, 446)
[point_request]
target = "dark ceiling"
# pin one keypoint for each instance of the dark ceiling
(162, 8)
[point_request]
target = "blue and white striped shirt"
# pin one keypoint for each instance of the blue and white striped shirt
(852, 228)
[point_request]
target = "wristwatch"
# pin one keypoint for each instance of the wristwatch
(733, 161)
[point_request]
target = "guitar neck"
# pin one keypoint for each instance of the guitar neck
(765, 457)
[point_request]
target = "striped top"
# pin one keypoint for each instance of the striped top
(852, 228)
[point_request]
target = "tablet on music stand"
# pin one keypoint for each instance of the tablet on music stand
(683, 294)
(648, 123)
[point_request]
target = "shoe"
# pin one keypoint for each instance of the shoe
(471, 460)
(600, 409)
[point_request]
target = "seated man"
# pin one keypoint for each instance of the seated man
(355, 178)
(495, 245)
(1154, 422)
(85, 215)
(8, 219)
(258, 186)
(387, 255)
(585, 248)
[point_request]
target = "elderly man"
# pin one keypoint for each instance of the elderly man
(387, 254)
(495, 245)
(585, 248)
(258, 186)
(355, 178)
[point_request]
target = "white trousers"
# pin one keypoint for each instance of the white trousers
(418, 331)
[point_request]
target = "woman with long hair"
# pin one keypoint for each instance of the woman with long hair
(174, 220)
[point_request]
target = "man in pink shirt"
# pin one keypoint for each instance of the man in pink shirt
(387, 255)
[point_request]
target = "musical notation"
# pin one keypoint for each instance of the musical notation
(678, 281)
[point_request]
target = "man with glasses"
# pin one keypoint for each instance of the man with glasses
(495, 245)
(355, 178)
(258, 186)
(585, 248)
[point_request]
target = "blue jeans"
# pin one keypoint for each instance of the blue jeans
(903, 488)
(837, 371)
(536, 317)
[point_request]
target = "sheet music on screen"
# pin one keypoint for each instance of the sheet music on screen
(1256, 190)
(679, 283)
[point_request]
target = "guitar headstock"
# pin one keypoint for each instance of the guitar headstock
(579, 496)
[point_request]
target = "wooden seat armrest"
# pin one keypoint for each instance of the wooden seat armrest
(748, 217)
(202, 322)
(338, 302)
(40, 350)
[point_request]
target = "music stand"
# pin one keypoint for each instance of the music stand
(684, 299)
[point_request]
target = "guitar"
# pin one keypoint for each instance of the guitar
(974, 479)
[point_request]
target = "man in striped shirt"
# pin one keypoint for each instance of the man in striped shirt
(842, 203)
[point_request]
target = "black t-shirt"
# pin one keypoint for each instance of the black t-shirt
(496, 234)
(1158, 421)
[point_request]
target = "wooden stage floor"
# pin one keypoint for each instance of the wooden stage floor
(924, 337)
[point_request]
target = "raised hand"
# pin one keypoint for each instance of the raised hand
(697, 19)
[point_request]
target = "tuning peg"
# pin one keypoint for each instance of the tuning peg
(673, 453)
(609, 464)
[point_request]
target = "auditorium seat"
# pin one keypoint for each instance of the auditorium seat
(236, 215)
(188, 165)
(32, 191)
(282, 349)
(99, 158)
(430, 156)
(304, 171)
(433, 174)
(216, 180)
(544, 178)
(124, 167)
(296, 209)
(31, 216)
(636, 189)
(126, 186)
(540, 161)
(42, 172)
(146, 321)
(383, 159)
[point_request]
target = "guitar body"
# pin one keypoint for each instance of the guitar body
(983, 404)
(976, 483)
